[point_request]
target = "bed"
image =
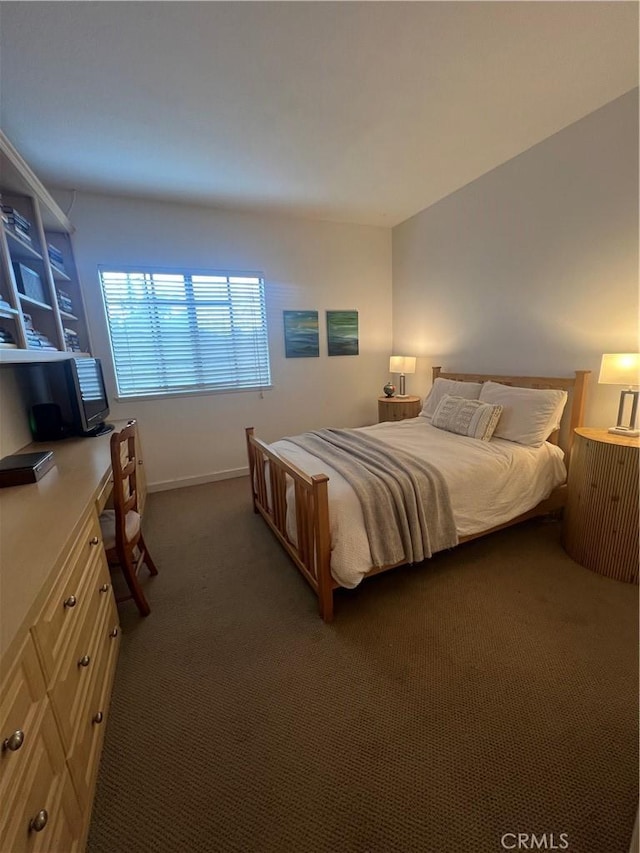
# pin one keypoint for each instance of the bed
(314, 511)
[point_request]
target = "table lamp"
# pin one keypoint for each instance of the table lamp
(623, 368)
(402, 364)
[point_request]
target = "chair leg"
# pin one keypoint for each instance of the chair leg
(142, 545)
(129, 572)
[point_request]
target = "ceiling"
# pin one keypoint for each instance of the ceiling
(362, 112)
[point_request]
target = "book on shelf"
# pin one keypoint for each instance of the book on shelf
(72, 340)
(16, 222)
(56, 258)
(55, 254)
(19, 228)
(16, 216)
(35, 338)
(40, 343)
(54, 251)
(64, 301)
(18, 232)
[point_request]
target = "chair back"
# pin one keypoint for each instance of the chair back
(125, 492)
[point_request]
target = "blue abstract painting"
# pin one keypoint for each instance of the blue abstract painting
(301, 336)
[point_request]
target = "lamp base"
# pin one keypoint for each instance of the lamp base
(617, 430)
(630, 429)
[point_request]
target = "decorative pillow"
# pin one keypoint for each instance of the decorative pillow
(468, 390)
(529, 415)
(466, 417)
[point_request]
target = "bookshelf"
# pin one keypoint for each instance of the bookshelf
(42, 314)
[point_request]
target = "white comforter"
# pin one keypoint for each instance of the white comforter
(489, 484)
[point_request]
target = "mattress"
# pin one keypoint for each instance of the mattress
(489, 483)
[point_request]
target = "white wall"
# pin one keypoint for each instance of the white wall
(307, 265)
(532, 268)
(14, 426)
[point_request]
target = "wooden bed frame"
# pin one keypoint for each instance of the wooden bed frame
(269, 474)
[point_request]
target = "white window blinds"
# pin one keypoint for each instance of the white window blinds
(180, 332)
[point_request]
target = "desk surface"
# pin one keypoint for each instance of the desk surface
(38, 520)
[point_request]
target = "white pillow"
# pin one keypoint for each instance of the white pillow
(466, 417)
(468, 390)
(529, 415)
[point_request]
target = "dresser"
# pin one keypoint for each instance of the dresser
(600, 528)
(59, 639)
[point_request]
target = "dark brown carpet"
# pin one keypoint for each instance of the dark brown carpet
(493, 690)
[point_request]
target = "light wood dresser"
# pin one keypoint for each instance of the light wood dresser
(59, 637)
(600, 529)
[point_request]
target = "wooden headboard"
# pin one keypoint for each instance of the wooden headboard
(575, 386)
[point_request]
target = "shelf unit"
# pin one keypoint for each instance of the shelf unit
(53, 303)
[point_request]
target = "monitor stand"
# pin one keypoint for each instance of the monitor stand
(101, 429)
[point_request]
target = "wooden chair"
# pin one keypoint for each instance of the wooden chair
(122, 526)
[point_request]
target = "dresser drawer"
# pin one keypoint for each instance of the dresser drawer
(67, 603)
(68, 690)
(85, 754)
(22, 698)
(62, 830)
(64, 826)
(37, 791)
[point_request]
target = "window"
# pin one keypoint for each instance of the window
(180, 332)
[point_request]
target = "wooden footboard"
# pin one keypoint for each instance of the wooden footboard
(270, 476)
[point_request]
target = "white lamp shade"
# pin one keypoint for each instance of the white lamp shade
(620, 368)
(402, 364)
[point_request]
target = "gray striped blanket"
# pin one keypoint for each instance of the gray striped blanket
(405, 500)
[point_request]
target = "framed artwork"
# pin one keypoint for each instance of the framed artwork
(301, 334)
(342, 332)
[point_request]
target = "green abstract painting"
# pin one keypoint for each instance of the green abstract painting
(342, 332)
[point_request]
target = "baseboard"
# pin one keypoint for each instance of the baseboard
(167, 485)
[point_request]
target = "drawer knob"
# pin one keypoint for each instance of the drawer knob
(85, 660)
(14, 741)
(94, 541)
(104, 588)
(99, 717)
(38, 823)
(71, 601)
(114, 633)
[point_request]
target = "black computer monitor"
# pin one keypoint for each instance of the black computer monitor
(66, 398)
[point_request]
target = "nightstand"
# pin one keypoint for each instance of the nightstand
(398, 408)
(600, 529)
